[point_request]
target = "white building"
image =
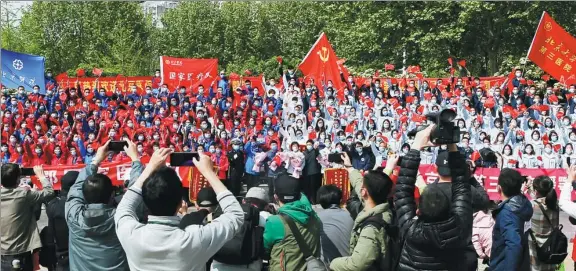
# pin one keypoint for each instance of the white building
(156, 9)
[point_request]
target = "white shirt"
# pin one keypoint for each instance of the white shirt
(162, 245)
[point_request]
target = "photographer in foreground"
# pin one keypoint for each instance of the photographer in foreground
(19, 231)
(161, 244)
(435, 240)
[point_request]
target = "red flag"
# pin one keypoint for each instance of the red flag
(279, 59)
(546, 77)
(97, 72)
(413, 69)
(247, 72)
(61, 76)
(377, 74)
(554, 50)
(462, 63)
(450, 61)
(389, 67)
(511, 76)
(80, 72)
(321, 63)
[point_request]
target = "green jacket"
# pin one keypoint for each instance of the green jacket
(367, 245)
(285, 255)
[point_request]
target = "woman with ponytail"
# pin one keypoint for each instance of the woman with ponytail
(544, 219)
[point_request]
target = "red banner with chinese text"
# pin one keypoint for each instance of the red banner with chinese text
(489, 177)
(188, 72)
(109, 83)
(120, 172)
(554, 50)
(340, 178)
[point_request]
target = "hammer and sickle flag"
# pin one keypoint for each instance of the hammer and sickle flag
(321, 64)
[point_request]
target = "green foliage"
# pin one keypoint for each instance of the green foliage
(118, 37)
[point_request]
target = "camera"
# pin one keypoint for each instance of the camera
(445, 131)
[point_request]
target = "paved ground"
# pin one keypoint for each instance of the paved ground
(569, 230)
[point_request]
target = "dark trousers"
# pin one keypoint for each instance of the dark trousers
(310, 185)
(234, 182)
(26, 263)
(63, 264)
(270, 181)
(252, 180)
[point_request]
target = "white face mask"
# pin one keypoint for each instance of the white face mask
(548, 150)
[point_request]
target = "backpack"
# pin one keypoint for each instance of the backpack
(248, 245)
(555, 249)
(394, 245)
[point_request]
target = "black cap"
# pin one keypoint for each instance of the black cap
(206, 197)
(442, 164)
(287, 188)
(68, 180)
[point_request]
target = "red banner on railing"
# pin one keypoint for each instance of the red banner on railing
(120, 172)
(109, 83)
(489, 177)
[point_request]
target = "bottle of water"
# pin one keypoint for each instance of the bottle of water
(16, 265)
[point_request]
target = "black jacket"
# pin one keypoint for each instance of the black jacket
(311, 165)
(57, 224)
(236, 160)
(437, 245)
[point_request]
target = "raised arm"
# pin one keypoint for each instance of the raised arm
(44, 195)
(75, 202)
(406, 184)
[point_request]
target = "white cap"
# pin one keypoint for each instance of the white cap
(257, 193)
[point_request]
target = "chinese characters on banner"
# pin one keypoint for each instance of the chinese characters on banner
(488, 177)
(188, 72)
(554, 50)
(120, 172)
(109, 83)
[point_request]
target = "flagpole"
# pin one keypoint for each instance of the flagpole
(534, 38)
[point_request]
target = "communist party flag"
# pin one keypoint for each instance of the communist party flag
(554, 50)
(321, 64)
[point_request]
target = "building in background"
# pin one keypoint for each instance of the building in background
(156, 9)
(11, 12)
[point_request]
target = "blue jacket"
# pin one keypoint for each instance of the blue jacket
(93, 244)
(509, 243)
(361, 162)
(251, 149)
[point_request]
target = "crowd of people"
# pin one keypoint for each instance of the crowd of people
(527, 125)
(283, 133)
(451, 225)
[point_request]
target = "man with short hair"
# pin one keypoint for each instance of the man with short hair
(206, 204)
(437, 238)
(509, 241)
(361, 159)
(279, 240)
(336, 224)
(161, 244)
(90, 213)
(369, 241)
(18, 220)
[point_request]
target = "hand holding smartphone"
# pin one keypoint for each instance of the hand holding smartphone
(183, 159)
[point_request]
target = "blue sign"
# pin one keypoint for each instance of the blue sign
(22, 70)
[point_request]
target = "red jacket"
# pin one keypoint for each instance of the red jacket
(221, 161)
